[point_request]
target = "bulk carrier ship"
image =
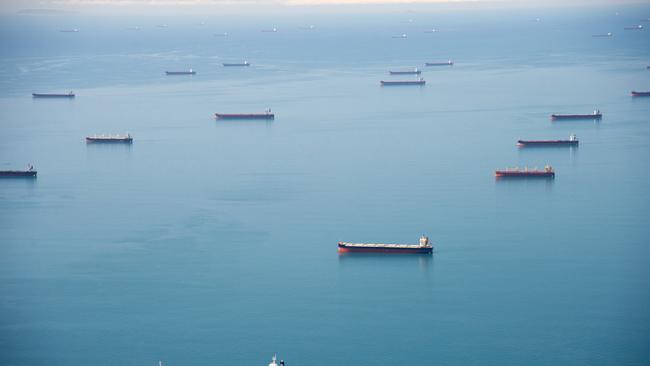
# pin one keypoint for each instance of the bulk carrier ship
(422, 248)
(110, 139)
(266, 115)
(572, 141)
(526, 173)
(595, 115)
(419, 81)
(30, 172)
(53, 95)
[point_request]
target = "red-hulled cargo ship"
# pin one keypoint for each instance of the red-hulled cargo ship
(572, 141)
(422, 248)
(640, 94)
(110, 139)
(525, 173)
(419, 81)
(266, 115)
(30, 172)
(595, 115)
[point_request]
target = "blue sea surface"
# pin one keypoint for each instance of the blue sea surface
(212, 242)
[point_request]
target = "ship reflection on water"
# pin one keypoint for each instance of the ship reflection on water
(354, 260)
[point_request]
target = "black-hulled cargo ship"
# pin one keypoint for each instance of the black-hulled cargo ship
(53, 95)
(266, 115)
(422, 248)
(110, 139)
(572, 141)
(640, 94)
(595, 115)
(29, 172)
(419, 81)
(188, 72)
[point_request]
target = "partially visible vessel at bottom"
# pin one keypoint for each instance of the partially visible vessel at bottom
(572, 141)
(595, 115)
(110, 139)
(274, 362)
(422, 248)
(30, 172)
(526, 173)
(640, 94)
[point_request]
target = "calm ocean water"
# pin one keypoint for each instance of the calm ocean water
(214, 243)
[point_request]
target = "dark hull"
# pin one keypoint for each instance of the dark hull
(576, 116)
(508, 174)
(235, 65)
(349, 249)
(180, 72)
(389, 83)
(439, 63)
(42, 95)
(523, 143)
(109, 140)
(640, 94)
(405, 72)
(17, 173)
(245, 116)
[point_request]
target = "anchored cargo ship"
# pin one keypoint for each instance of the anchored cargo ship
(572, 141)
(525, 173)
(608, 34)
(419, 81)
(403, 35)
(446, 63)
(245, 63)
(422, 248)
(414, 71)
(266, 115)
(640, 94)
(595, 115)
(53, 95)
(30, 172)
(189, 72)
(110, 139)
(634, 27)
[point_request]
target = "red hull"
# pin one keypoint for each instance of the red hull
(415, 250)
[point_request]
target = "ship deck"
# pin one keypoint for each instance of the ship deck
(379, 245)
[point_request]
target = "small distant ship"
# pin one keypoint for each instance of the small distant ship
(272, 30)
(224, 34)
(419, 81)
(572, 141)
(53, 95)
(188, 72)
(431, 30)
(640, 94)
(403, 35)
(547, 172)
(311, 27)
(266, 115)
(74, 30)
(162, 26)
(29, 172)
(422, 248)
(608, 34)
(110, 139)
(445, 63)
(245, 63)
(634, 27)
(414, 71)
(595, 115)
